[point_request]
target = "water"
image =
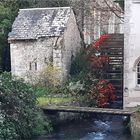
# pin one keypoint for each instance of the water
(110, 128)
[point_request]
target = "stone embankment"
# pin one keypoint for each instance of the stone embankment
(135, 125)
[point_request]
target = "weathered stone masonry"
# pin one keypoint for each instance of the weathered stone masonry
(40, 36)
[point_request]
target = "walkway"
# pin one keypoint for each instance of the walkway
(87, 110)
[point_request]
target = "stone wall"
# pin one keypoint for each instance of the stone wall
(131, 54)
(59, 118)
(30, 57)
(72, 44)
(135, 125)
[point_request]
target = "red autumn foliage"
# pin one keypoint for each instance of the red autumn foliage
(106, 93)
(103, 93)
(98, 62)
(100, 41)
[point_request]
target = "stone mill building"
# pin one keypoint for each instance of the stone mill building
(41, 36)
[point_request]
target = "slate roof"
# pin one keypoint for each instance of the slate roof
(39, 22)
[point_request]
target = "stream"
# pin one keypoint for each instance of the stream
(104, 128)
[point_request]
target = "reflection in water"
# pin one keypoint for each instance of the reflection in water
(110, 128)
(95, 136)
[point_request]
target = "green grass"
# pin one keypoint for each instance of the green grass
(44, 101)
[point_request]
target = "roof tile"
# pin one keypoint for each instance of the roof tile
(40, 22)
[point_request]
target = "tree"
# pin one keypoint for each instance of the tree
(5, 24)
(50, 3)
(8, 11)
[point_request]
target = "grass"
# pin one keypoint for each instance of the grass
(44, 101)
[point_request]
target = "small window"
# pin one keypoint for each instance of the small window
(72, 56)
(30, 66)
(33, 66)
(138, 73)
(45, 60)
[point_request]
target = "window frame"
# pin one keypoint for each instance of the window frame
(137, 72)
(33, 66)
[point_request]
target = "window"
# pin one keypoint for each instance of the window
(33, 65)
(30, 66)
(138, 73)
(45, 60)
(72, 56)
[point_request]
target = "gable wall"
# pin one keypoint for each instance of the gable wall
(72, 44)
(25, 52)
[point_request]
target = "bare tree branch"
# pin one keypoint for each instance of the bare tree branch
(112, 10)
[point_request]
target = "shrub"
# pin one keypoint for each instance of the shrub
(50, 76)
(41, 91)
(103, 92)
(19, 116)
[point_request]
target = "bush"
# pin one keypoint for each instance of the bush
(41, 91)
(50, 76)
(103, 92)
(19, 116)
